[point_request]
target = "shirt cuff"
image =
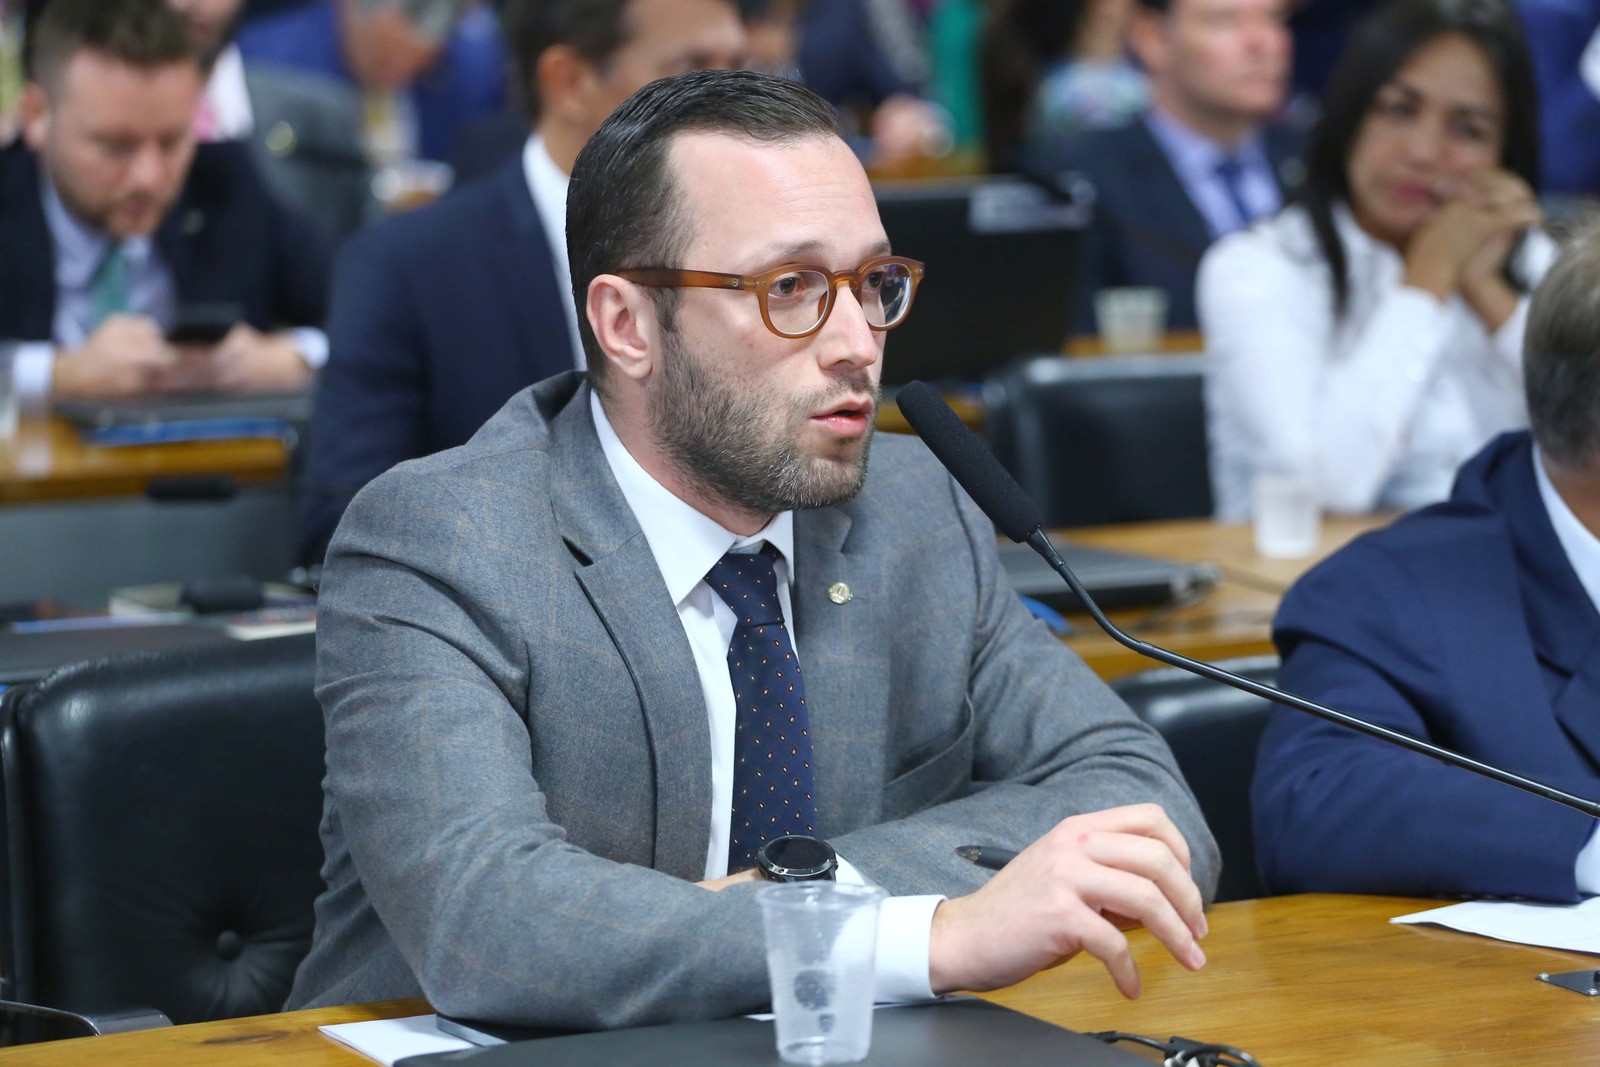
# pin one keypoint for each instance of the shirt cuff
(905, 929)
(1588, 866)
(31, 372)
(312, 344)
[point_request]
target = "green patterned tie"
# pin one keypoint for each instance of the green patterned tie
(108, 288)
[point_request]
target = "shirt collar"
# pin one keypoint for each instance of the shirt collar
(547, 184)
(684, 541)
(1581, 546)
(1194, 151)
(80, 247)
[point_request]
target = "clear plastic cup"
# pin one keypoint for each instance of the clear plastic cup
(1285, 518)
(10, 407)
(1131, 319)
(821, 941)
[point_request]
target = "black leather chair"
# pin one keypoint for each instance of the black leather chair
(161, 814)
(1100, 440)
(1213, 731)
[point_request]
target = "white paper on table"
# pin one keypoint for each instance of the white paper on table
(1574, 927)
(389, 1040)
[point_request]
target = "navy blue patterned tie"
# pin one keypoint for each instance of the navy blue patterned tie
(1231, 172)
(772, 729)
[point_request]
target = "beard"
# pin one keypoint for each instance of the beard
(737, 448)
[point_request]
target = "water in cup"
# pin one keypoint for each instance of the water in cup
(821, 941)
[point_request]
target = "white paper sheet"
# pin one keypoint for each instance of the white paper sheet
(1574, 927)
(389, 1040)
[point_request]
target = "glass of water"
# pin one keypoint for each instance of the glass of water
(821, 942)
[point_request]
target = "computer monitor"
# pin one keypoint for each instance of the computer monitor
(1002, 259)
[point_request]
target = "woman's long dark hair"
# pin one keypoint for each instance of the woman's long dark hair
(1379, 47)
(1020, 39)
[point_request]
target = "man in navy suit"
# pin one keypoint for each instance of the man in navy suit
(440, 315)
(1202, 161)
(111, 220)
(1472, 623)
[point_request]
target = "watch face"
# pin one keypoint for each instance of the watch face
(796, 858)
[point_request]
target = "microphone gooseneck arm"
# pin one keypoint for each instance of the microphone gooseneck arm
(991, 486)
(1041, 544)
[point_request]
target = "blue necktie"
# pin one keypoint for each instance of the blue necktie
(772, 730)
(1232, 174)
(108, 286)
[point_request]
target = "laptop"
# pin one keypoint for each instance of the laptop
(1114, 579)
(1002, 259)
(290, 406)
(962, 1031)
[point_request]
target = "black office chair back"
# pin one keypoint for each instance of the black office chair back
(1213, 731)
(161, 814)
(1102, 440)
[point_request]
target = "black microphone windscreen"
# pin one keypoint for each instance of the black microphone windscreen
(969, 461)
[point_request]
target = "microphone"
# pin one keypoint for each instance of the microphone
(994, 490)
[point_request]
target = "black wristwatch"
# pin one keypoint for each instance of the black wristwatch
(795, 858)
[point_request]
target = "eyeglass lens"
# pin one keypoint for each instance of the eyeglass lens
(798, 300)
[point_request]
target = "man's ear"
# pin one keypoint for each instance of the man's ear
(565, 80)
(34, 113)
(623, 318)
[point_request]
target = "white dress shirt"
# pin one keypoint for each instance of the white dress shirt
(686, 544)
(1582, 549)
(1376, 408)
(547, 184)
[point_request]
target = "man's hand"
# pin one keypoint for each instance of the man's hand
(125, 356)
(248, 360)
(1067, 893)
(716, 885)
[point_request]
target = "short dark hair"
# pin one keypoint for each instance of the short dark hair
(623, 207)
(595, 29)
(1381, 45)
(142, 33)
(1561, 355)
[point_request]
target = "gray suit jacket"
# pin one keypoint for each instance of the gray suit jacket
(519, 783)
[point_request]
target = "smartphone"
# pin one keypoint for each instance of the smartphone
(204, 324)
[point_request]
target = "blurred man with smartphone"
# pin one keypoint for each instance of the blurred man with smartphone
(113, 225)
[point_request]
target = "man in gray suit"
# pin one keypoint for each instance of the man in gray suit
(539, 713)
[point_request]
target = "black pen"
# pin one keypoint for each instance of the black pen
(986, 856)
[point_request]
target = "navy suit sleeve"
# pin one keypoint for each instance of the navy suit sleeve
(299, 266)
(370, 406)
(1336, 811)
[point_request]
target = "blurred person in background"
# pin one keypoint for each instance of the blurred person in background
(1472, 624)
(1205, 159)
(112, 220)
(1564, 38)
(1053, 69)
(1368, 339)
(439, 316)
(304, 131)
(843, 58)
(425, 68)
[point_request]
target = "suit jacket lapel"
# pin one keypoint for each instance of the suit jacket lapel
(844, 652)
(1562, 621)
(1171, 218)
(619, 575)
(528, 277)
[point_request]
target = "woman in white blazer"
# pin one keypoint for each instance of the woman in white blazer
(1368, 337)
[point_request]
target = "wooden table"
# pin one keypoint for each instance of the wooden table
(78, 519)
(1308, 980)
(1235, 619)
(48, 461)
